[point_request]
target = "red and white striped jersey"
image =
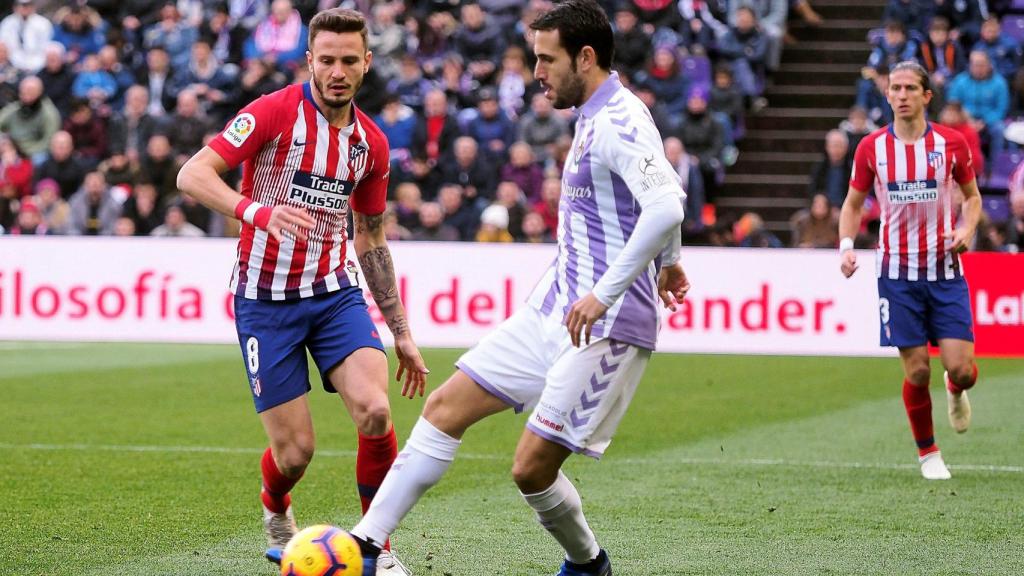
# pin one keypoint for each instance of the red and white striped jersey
(293, 156)
(914, 185)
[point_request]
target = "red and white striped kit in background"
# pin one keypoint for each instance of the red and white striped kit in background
(914, 185)
(293, 156)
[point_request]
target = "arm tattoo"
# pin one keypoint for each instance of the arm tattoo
(380, 277)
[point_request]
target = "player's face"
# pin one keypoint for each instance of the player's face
(562, 85)
(337, 64)
(906, 95)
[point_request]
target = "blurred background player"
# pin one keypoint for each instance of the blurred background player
(575, 355)
(914, 167)
(309, 153)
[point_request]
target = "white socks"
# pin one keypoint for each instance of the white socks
(421, 464)
(560, 511)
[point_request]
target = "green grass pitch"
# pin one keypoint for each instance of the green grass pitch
(144, 460)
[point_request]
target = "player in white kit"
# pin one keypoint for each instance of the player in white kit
(575, 355)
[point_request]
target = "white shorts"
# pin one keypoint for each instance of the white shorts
(578, 395)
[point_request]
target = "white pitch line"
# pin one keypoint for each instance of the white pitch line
(778, 462)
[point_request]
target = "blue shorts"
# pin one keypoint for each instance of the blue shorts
(924, 312)
(275, 335)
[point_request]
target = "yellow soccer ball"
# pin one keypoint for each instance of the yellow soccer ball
(322, 551)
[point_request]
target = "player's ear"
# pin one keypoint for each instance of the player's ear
(368, 60)
(309, 61)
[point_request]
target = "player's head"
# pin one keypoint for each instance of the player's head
(909, 90)
(573, 40)
(338, 57)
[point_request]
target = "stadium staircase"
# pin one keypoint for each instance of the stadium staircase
(810, 94)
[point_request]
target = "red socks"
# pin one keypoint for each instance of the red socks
(918, 403)
(373, 460)
(276, 486)
(958, 389)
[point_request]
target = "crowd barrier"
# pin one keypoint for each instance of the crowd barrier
(743, 301)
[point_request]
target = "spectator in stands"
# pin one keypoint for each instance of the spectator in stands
(913, 14)
(160, 167)
(56, 212)
(515, 83)
(953, 116)
(436, 130)
(393, 230)
(750, 232)
(124, 227)
(664, 76)
(142, 208)
(521, 169)
(213, 83)
(110, 62)
(187, 126)
(118, 171)
(406, 207)
(473, 173)
(985, 96)
(541, 127)
(830, 176)
(136, 16)
(30, 221)
(94, 84)
(726, 101)
(490, 127)
(463, 217)
(699, 29)
(432, 226)
(57, 78)
(856, 126)
(479, 42)
(658, 18)
(173, 34)
(156, 79)
(15, 169)
(535, 231)
(246, 15)
(663, 121)
(433, 40)
(88, 133)
(871, 96)
(494, 225)
(817, 226)
(705, 139)
(26, 35)
(281, 36)
(62, 165)
(258, 77)
(892, 48)
(93, 208)
(175, 225)
(771, 17)
(1014, 227)
(632, 43)
(409, 85)
(456, 83)
(217, 31)
(80, 30)
(131, 129)
(511, 197)
(547, 207)
(386, 39)
(398, 122)
(688, 169)
(745, 48)
(1004, 53)
(942, 57)
(32, 120)
(9, 76)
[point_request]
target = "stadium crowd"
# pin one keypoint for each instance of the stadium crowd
(101, 102)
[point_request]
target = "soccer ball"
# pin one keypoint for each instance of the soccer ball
(322, 551)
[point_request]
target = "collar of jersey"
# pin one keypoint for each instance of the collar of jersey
(601, 96)
(928, 128)
(307, 92)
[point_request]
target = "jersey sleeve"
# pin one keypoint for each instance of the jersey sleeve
(963, 162)
(246, 133)
(635, 153)
(863, 174)
(371, 193)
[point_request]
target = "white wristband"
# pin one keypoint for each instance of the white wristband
(845, 244)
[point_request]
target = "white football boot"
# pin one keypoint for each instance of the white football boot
(933, 468)
(279, 526)
(959, 407)
(389, 565)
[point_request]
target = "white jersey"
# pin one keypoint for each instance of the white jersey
(616, 166)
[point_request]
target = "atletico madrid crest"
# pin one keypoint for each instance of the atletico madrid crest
(936, 160)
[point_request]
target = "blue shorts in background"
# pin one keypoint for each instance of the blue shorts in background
(275, 335)
(915, 313)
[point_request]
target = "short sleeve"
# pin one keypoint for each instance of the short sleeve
(863, 174)
(371, 193)
(635, 153)
(246, 133)
(963, 163)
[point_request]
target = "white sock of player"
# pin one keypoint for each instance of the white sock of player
(422, 462)
(560, 511)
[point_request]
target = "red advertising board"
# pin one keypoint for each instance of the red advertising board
(997, 299)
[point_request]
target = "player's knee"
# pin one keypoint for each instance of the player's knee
(919, 375)
(962, 374)
(293, 459)
(374, 418)
(531, 474)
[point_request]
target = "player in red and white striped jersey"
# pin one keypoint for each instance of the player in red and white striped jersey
(309, 154)
(914, 168)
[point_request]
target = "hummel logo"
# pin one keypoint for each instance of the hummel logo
(296, 143)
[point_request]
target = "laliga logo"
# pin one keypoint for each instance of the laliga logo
(243, 125)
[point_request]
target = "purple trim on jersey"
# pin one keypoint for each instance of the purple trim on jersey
(549, 298)
(634, 322)
(601, 96)
(625, 206)
(562, 441)
(491, 388)
(571, 258)
(318, 287)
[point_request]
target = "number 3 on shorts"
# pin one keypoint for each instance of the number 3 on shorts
(883, 311)
(252, 354)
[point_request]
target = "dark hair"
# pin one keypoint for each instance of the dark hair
(922, 74)
(337, 20)
(580, 23)
(894, 25)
